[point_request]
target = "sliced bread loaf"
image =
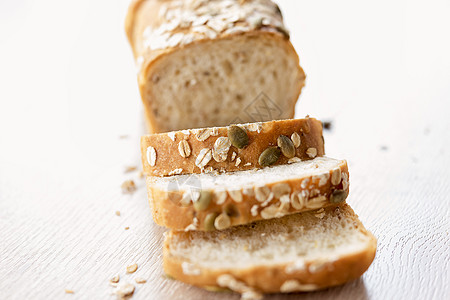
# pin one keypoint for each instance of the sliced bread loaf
(232, 148)
(212, 63)
(300, 252)
(210, 201)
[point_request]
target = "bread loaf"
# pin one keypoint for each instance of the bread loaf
(217, 149)
(212, 63)
(302, 252)
(208, 201)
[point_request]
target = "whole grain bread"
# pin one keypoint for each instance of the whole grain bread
(212, 63)
(211, 150)
(208, 201)
(301, 252)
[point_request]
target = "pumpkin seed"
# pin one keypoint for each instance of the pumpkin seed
(238, 137)
(338, 196)
(209, 221)
(269, 156)
(231, 210)
(286, 145)
(203, 201)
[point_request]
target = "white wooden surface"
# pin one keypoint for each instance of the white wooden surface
(379, 70)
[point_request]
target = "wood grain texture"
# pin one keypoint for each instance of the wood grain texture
(379, 72)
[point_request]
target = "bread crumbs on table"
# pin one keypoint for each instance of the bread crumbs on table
(140, 280)
(132, 268)
(128, 187)
(129, 169)
(115, 279)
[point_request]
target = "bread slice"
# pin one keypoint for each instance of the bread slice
(180, 152)
(212, 63)
(300, 252)
(209, 201)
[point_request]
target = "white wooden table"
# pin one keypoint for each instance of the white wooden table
(379, 70)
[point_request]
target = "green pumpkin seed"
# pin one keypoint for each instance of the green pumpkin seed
(231, 210)
(286, 145)
(238, 137)
(203, 201)
(338, 196)
(209, 221)
(269, 156)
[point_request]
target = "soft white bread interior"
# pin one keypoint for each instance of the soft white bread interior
(237, 79)
(301, 252)
(321, 167)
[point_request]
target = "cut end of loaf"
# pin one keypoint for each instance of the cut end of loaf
(241, 78)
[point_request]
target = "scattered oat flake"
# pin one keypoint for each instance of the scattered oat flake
(124, 290)
(126, 228)
(128, 187)
(117, 213)
(115, 279)
(132, 268)
(129, 169)
(69, 291)
(140, 280)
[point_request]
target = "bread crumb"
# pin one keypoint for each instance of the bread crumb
(141, 174)
(117, 213)
(140, 280)
(128, 187)
(129, 169)
(132, 268)
(126, 228)
(115, 279)
(124, 290)
(327, 125)
(69, 291)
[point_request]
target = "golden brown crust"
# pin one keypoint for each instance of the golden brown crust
(272, 279)
(170, 162)
(143, 15)
(315, 191)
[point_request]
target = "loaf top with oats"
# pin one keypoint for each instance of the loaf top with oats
(212, 63)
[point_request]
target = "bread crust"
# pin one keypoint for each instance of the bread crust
(270, 279)
(169, 211)
(261, 136)
(144, 14)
